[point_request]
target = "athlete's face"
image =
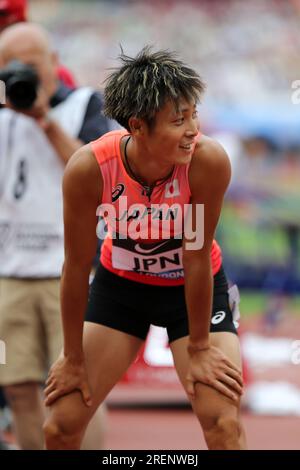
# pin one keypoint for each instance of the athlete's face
(172, 139)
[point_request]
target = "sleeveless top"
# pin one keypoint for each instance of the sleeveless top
(144, 235)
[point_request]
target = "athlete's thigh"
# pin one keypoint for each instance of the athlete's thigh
(209, 403)
(108, 353)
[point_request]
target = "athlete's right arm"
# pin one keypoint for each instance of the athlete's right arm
(82, 192)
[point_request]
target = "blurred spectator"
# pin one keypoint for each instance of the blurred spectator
(15, 11)
(256, 158)
(35, 144)
(11, 12)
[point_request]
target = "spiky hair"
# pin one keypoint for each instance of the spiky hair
(141, 85)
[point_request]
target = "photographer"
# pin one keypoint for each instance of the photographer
(39, 130)
(16, 11)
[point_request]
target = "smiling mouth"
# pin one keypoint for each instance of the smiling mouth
(186, 147)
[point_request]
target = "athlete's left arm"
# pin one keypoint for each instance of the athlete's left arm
(209, 176)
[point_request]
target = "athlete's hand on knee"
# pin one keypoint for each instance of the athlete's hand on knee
(64, 377)
(211, 367)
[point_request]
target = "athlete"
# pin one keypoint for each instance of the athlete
(152, 182)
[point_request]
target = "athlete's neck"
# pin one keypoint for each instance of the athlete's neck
(139, 164)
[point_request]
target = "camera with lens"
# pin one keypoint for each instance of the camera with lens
(21, 83)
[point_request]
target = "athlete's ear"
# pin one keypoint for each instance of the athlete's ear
(136, 126)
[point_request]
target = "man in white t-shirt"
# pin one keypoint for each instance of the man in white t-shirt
(35, 145)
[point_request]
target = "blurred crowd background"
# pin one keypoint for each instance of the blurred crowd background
(248, 55)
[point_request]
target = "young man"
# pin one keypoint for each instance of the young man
(143, 177)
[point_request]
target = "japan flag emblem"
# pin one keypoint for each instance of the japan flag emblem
(172, 189)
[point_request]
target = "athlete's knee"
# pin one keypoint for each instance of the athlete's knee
(223, 432)
(62, 432)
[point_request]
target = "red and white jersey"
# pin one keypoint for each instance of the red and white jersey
(144, 238)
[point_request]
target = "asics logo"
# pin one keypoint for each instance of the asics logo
(117, 192)
(218, 317)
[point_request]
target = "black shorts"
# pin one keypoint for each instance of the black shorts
(132, 307)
